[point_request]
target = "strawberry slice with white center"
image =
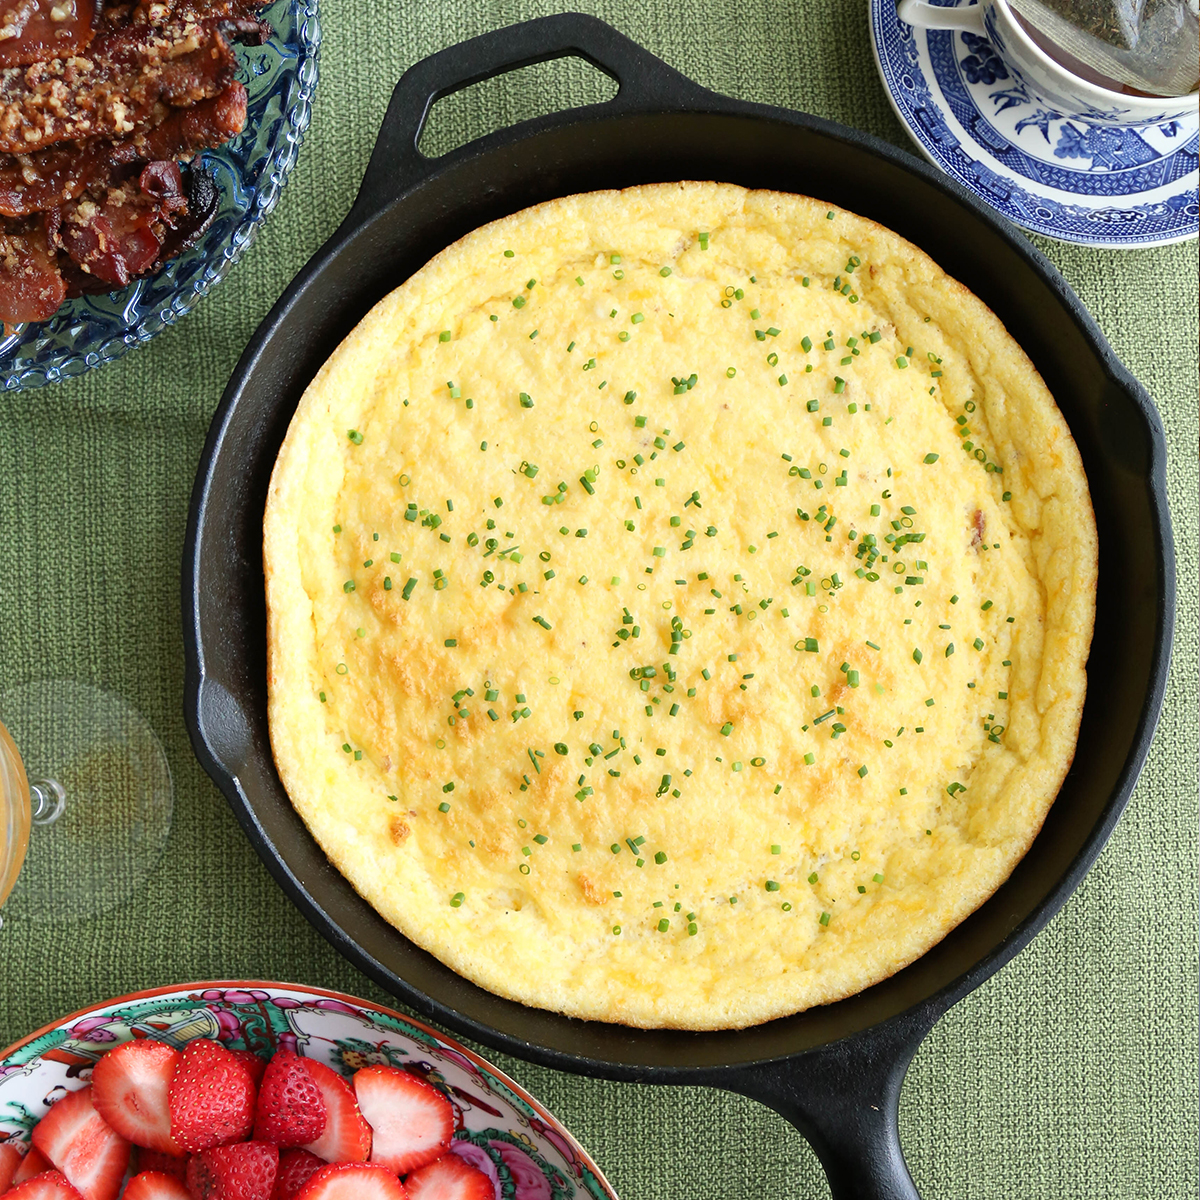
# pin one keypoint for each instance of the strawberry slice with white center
(48, 1185)
(10, 1160)
(347, 1136)
(290, 1110)
(245, 1171)
(156, 1185)
(353, 1181)
(449, 1178)
(129, 1090)
(34, 1163)
(75, 1138)
(411, 1121)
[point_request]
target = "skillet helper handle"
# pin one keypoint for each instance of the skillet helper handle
(844, 1098)
(645, 84)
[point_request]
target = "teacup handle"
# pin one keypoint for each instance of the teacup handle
(930, 16)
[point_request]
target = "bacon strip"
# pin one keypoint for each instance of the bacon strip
(31, 288)
(32, 30)
(79, 98)
(37, 182)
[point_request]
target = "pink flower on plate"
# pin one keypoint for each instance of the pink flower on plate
(235, 995)
(337, 1006)
(559, 1142)
(91, 1029)
(230, 1026)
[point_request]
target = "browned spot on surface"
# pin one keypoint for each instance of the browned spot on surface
(591, 893)
(978, 525)
(398, 831)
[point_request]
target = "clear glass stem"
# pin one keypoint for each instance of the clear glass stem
(47, 799)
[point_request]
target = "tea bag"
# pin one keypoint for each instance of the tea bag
(1135, 46)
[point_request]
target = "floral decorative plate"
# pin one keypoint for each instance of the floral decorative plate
(501, 1129)
(1067, 178)
(250, 170)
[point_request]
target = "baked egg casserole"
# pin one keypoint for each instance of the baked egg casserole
(678, 605)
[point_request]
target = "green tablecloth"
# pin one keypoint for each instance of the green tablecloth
(1070, 1074)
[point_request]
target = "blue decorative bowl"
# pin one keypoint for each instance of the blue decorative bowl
(280, 77)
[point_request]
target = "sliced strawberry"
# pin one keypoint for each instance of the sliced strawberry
(156, 1185)
(34, 1163)
(242, 1172)
(46, 1185)
(290, 1111)
(296, 1168)
(251, 1061)
(10, 1160)
(129, 1090)
(353, 1181)
(74, 1137)
(155, 1160)
(211, 1097)
(411, 1121)
(347, 1136)
(449, 1178)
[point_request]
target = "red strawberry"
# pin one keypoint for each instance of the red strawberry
(10, 1160)
(242, 1172)
(353, 1181)
(290, 1111)
(155, 1185)
(211, 1097)
(169, 1164)
(34, 1163)
(251, 1061)
(411, 1121)
(46, 1185)
(449, 1178)
(296, 1168)
(347, 1136)
(129, 1090)
(74, 1137)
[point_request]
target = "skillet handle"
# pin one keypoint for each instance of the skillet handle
(844, 1098)
(645, 84)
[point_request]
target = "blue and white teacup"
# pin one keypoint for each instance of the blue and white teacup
(1047, 81)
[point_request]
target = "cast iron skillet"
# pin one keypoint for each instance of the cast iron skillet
(835, 1072)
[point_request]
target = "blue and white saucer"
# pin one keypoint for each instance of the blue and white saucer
(1120, 187)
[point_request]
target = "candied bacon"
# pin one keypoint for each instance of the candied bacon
(83, 97)
(31, 286)
(33, 30)
(159, 12)
(32, 183)
(95, 116)
(116, 238)
(187, 131)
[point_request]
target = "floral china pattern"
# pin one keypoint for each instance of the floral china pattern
(1066, 176)
(501, 1130)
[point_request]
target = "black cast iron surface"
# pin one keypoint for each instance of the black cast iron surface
(835, 1071)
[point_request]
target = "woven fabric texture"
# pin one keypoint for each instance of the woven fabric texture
(1071, 1073)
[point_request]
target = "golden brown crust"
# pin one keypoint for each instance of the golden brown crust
(851, 841)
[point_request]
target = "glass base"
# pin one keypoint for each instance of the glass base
(115, 815)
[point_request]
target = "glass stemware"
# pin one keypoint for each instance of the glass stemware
(85, 803)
